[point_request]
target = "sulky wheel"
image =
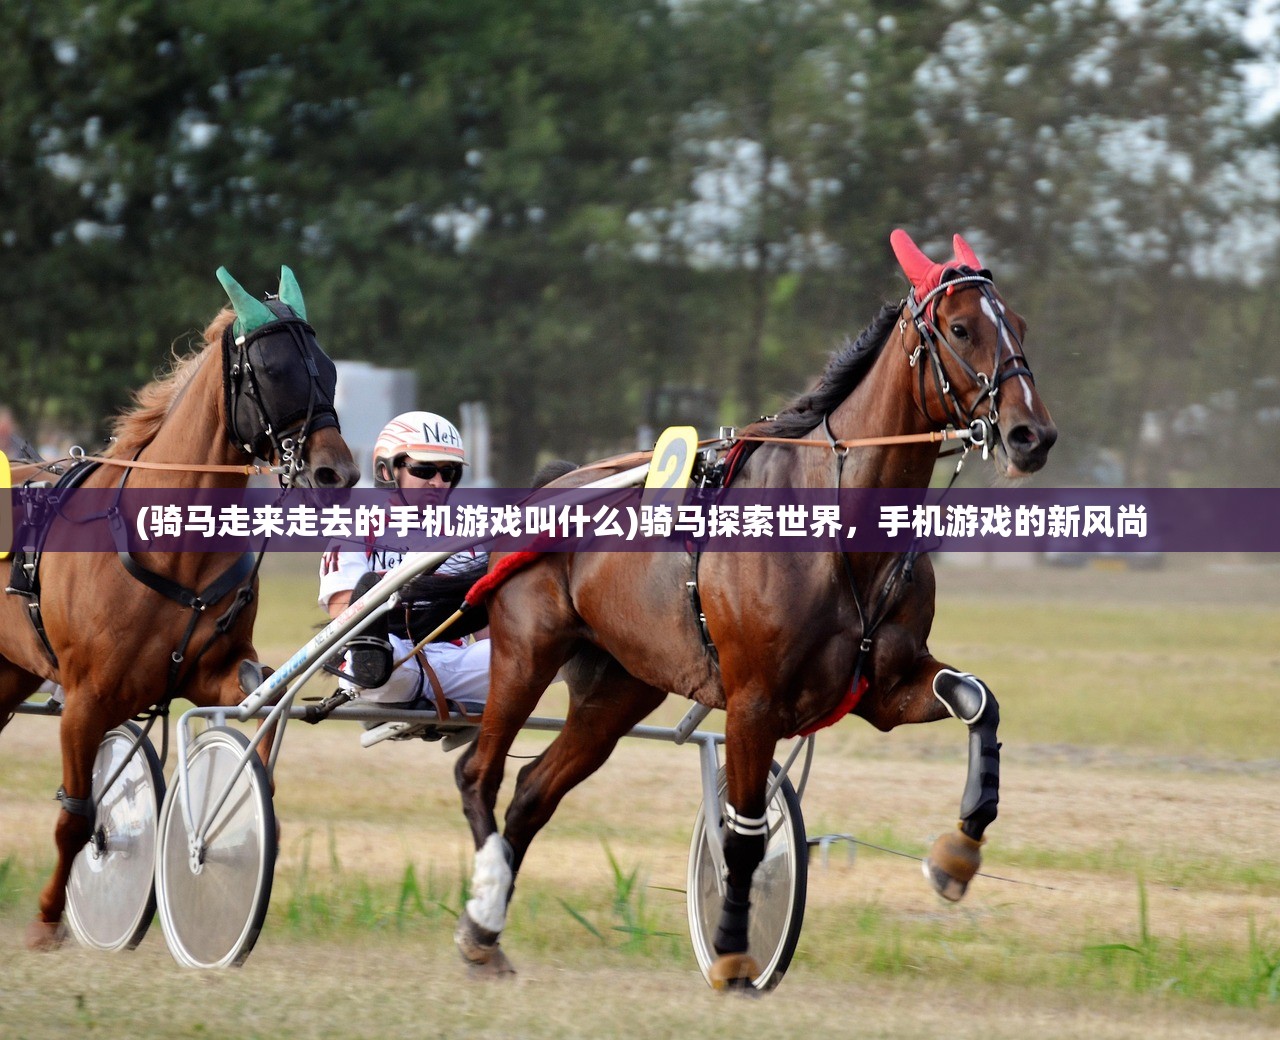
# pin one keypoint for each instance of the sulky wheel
(111, 892)
(778, 889)
(213, 896)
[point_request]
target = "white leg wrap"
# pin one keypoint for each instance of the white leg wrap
(490, 884)
(745, 825)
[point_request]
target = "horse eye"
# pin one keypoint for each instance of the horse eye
(959, 332)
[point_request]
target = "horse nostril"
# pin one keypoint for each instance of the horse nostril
(327, 477)
(1022, 437)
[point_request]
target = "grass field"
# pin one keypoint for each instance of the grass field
(1135, 888)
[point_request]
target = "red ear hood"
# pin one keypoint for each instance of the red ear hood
(965, 255)
(925, 275)
(922, 272)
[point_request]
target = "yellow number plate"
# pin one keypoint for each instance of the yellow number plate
(6, 508)
(673, 457)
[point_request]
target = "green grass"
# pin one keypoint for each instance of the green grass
(334, 901)
(631, 924)
(1114, 859)
(1104, 958)
(1156, 679)
(628, 922)
(12, 885)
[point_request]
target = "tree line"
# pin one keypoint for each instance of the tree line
(601, 215)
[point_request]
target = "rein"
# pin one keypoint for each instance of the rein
(860, 442)
(936, 436)
(174, 467)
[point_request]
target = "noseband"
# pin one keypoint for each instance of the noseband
(982, 427)
(279, 388)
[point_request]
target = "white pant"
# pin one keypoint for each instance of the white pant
(463, 672)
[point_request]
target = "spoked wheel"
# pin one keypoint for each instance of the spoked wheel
(111, 895)
(213, 896)
(778, 889)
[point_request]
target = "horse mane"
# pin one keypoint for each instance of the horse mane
(134, 429)
(843, 373)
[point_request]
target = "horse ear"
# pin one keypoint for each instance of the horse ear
(922, 272)
(291, 293)
(250, 313)
(965, 255)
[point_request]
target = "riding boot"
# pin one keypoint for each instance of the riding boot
(371, 655)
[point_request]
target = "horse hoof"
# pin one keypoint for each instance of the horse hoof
(45, 935)
(495, 967)
(734, 973)
(480, 949)
(952, 863)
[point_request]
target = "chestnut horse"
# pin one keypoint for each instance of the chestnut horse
(116, 637)
(788, 632)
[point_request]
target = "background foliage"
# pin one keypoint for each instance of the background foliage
(562, 207)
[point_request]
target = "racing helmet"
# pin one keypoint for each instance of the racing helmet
(423, 437)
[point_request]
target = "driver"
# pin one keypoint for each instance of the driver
(415, 451)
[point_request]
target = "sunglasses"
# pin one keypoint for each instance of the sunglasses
(451, 471)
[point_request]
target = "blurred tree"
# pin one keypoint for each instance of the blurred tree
(459, 177)
(1106, 160)
(764, 143)
(71, 344)
(567, 210)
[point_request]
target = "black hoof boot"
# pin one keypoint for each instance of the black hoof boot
(371, 657)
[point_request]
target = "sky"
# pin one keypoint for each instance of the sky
(1262, 29)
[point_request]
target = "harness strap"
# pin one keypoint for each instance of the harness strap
(240, 573)
(437, 692)
(244, 569)
(437, 688)
(170, 589)
(24, 579)
(37, 622)
(868, 623)
(695, 601)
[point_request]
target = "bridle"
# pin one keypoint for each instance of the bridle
(270, 408)
(982, 428)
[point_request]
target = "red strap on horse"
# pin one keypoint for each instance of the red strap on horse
(735, 457)
(847, 703)
(506, 567)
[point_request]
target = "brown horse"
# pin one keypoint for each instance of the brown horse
(787, 631)
(116, 636)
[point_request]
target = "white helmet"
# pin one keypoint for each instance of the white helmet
(422, 436)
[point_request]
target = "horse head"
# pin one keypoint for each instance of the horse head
(966, 344)
(279, 388)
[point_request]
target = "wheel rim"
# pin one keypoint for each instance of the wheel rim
(212, 906)
(111, 891)
(777, 893)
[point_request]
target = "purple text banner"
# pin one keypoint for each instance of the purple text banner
(749, 520)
